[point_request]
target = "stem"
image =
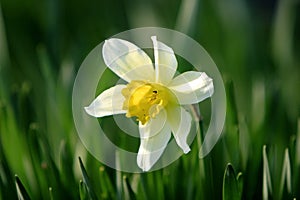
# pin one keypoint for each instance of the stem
(198, 121)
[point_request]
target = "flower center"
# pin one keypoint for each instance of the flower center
(145, 100)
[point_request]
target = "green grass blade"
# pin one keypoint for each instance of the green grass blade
(286, 175)
(21, 191)
(3, 43)
(230, 185)
(296, 165)
(267, 185)
(107, 189)
(50, 193)
(297, 153)
(118, 177)
(138, 187)
(187, 16)
(83, 191)
(240, 182)
(232, 105)
(5, 173)
(66, 161)
(87, 181)
(232, 136)
(128, 192)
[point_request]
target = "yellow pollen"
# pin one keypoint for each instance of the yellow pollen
(144, 100)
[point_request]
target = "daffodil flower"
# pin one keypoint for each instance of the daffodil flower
(152, 95)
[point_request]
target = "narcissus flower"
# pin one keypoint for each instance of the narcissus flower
(152, 95)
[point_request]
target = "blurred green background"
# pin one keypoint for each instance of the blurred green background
(255, 44)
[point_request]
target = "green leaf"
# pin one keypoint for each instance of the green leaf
(230, 185)
(21, 191)
(87, 181)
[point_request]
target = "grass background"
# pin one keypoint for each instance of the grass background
(255, 44)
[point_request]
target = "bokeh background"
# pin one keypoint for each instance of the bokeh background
(255, 45)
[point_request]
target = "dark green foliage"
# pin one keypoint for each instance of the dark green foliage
(254, 44)
(87, 183)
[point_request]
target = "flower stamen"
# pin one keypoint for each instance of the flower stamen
(145, 100)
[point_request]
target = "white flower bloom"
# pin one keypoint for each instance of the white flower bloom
(152, 95)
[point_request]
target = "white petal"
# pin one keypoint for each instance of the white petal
(127, 60)
(165, 62)
(192, 87)
(152, 148)
(109, 102)
(180, 122)
(153, 126)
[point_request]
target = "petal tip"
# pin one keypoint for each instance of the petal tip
(211, 87)
(106, 43)
(142, 164)
(154, 37)
(88, 110)
(209, 83)
(186, 150)
(145, 168)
